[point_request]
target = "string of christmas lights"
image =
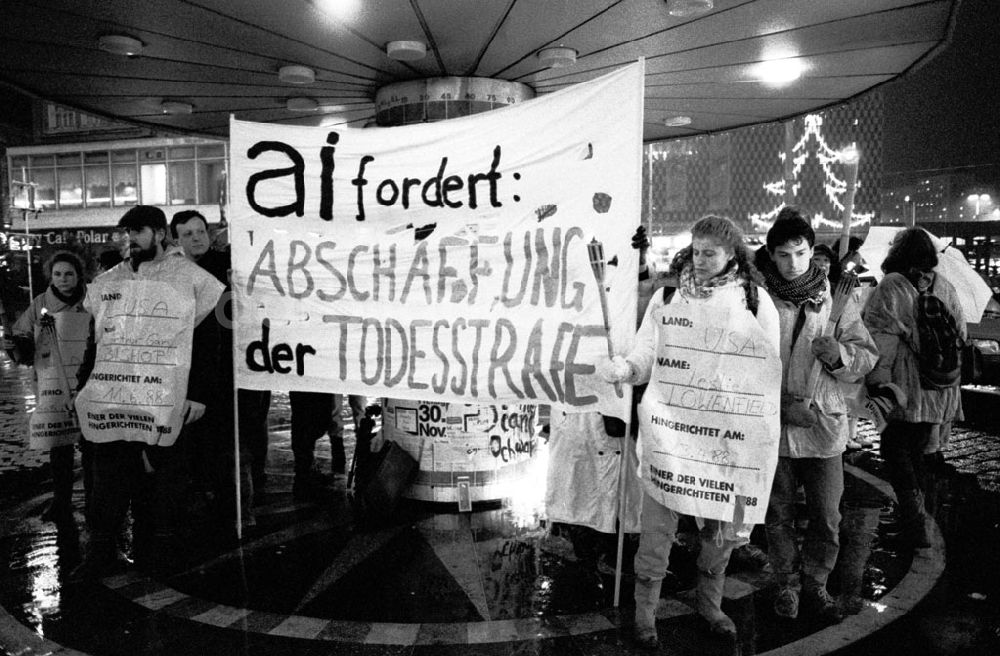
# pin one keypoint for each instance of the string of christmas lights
(833, 186)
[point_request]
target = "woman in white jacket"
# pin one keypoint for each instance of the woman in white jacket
(716, 270)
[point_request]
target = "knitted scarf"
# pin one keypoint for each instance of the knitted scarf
(691, 288)
(807, 287)
(73, 297)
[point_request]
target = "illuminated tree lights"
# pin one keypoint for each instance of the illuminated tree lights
(833, 186)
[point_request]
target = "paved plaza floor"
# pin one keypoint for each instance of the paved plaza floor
(311, 578)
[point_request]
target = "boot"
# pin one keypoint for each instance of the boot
(60, 510)
(857, 530)
(99, 561)
(913, 518)
(647, 596)
(709, 599)
(819, 603)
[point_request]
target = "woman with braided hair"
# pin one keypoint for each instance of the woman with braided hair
(714, 270)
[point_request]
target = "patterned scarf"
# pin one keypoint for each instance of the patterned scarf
(691, 288)
(810, 286)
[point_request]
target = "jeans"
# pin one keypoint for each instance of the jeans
(823, 480)
(311, 413)
(254, 407)
(903, 446)
(158, 499)
(659, 530)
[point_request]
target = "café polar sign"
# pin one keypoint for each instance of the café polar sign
(19, 241)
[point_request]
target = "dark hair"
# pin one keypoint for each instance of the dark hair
(183, 217)
(789, 227)
(730, 236)
(836, 269)
(853, 244)
(144, 216)
(911, 251)
(69, 258)
(109, 258)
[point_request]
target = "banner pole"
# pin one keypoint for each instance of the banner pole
(236, 459)
(236, 409)
(622, 503)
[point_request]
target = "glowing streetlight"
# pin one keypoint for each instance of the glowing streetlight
(913, 211)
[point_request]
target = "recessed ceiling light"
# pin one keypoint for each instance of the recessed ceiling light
(406, 50)
(557, 57)
(120, 44)
(295, 74)
(677, 121)
(687, 8)
(301, 104)
(779, 72)
(176, 107)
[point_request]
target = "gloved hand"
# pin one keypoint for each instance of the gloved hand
(615, 370)
(827, 350)
(796, 412)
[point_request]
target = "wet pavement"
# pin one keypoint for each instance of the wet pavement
(314, 578)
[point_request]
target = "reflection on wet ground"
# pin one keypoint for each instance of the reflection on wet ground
(315, 578)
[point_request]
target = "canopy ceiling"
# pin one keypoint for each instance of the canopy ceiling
(222, 56)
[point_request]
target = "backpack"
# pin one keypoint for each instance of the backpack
(939, 351)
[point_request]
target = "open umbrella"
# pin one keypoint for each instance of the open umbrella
(973, 292)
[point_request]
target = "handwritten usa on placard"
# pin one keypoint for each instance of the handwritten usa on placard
(710, 416)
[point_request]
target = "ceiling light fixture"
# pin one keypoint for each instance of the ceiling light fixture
(120, 44)
(778, 72)
(677, 121)
(301, 104)
(176, 107)
(688, 8)
(557, 57)
(406, 50)
(295, 74)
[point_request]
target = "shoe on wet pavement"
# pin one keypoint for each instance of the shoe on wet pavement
(312, 486)
(851, 604)
(748, 557)
(818, 602)
(786, 603)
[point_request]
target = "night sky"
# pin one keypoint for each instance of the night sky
(946, 112)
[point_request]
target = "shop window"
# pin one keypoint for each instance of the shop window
(123, 156)
(215, 150)
(154, 184)
(45, 190)
(71, 187)
(211, 174)
(68, 159)
(125, 187)
(182, 187)
(98, 187)
(19, 168)
(184, 152)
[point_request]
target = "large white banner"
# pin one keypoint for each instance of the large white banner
(710, 415)
(455, 261)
